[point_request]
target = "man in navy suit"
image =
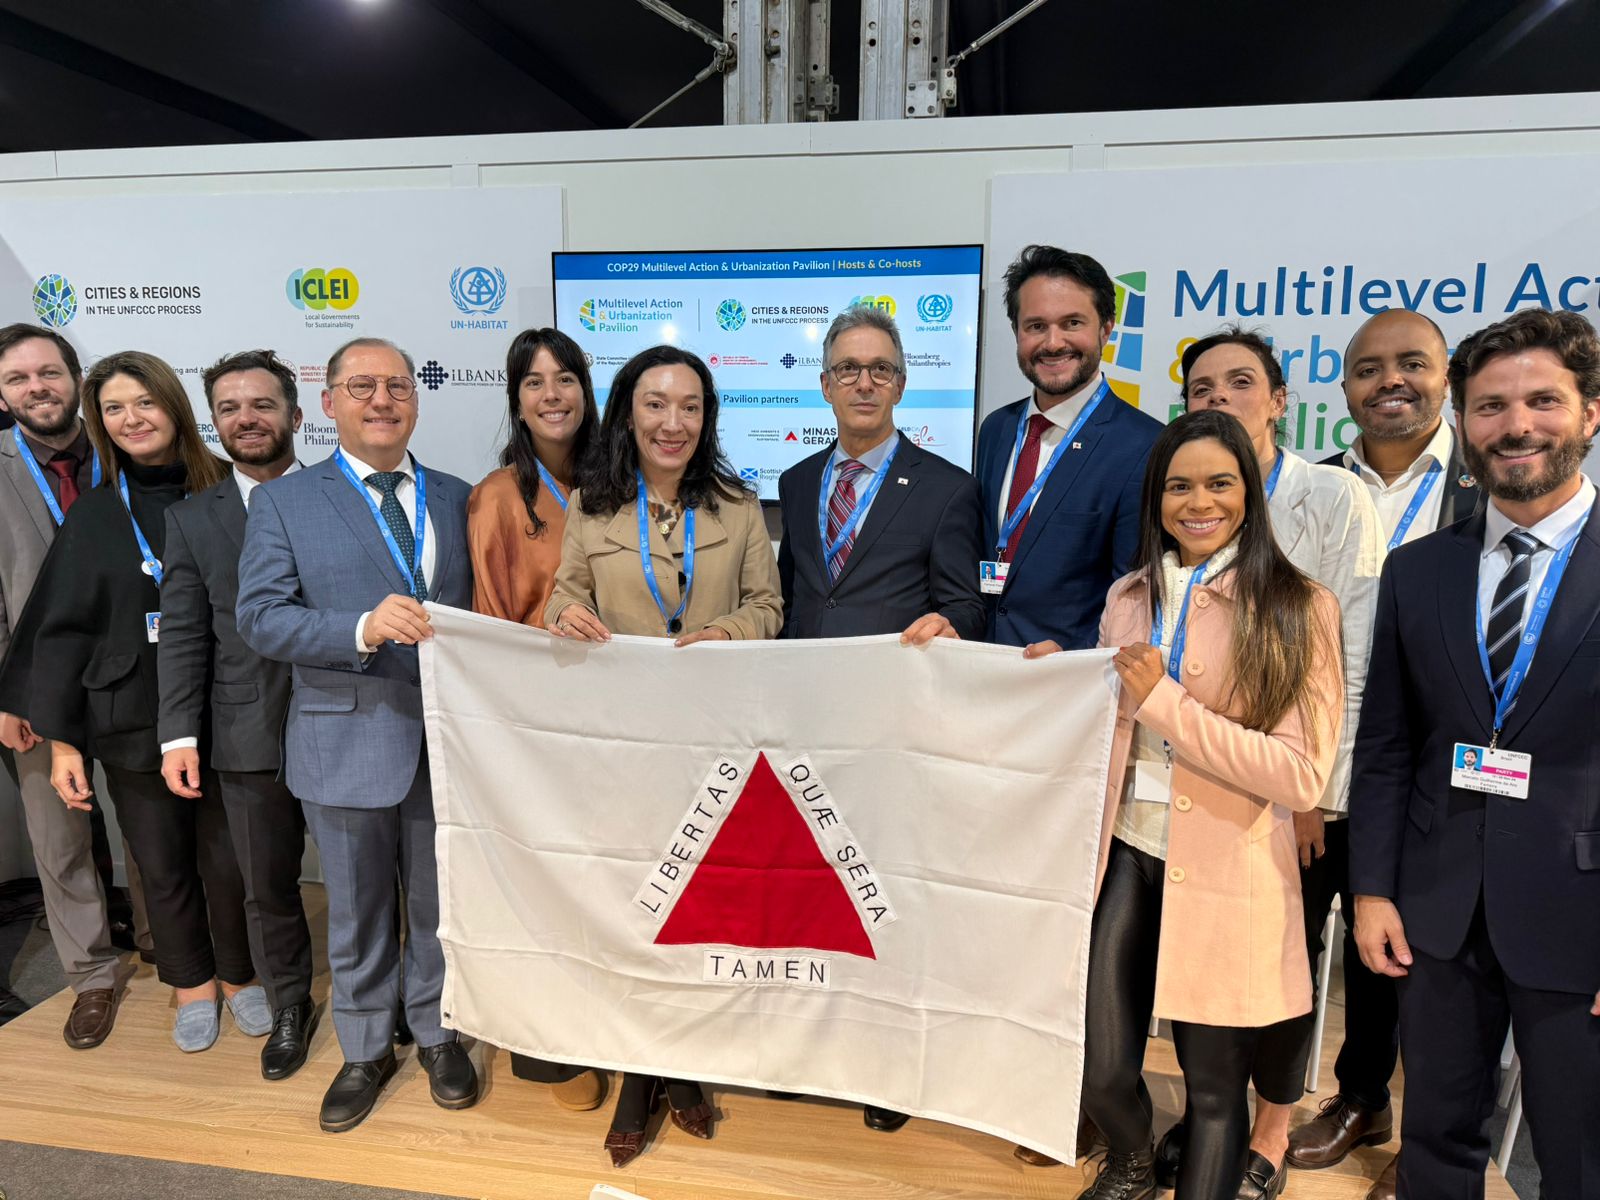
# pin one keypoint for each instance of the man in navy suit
(1479, 889)
(1061, 471)
(336, 563)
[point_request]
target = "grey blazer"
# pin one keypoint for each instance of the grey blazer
(313, 562)
(26, 532)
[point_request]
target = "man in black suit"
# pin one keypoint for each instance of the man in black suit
(1479, 888)
(1410, 459)
(218, 694)
(879, 536)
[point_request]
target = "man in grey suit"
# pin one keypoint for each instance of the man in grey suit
(218, 694)
(46, 462)
(337, 561)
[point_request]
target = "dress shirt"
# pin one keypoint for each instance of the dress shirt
(1392, 499)
(80, 451)
(247, 485)
(1061, 416)
(406, 493)
(871, 460)
(1553, 533)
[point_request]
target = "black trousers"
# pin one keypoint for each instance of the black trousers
(192, 886)
(1371, 1006)
(268, 828)
(542, 1070)
(1453, 1019)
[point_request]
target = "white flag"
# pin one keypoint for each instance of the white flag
(843, 867)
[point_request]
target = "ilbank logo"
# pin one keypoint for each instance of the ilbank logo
(884, 304)
(319, 288)
(1124, 349)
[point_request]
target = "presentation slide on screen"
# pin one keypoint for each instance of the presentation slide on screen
(758, 319)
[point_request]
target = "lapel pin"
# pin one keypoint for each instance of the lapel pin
(901, 479)
(1077, 445)
(1466, 481)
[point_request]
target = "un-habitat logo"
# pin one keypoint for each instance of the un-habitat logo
(478, 292)
(763, 873)
(1123, 355)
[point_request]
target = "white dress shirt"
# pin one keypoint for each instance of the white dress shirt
(1553, 533)
(406, 493)
(871, 460)
(1061, 417)
(1392, 499)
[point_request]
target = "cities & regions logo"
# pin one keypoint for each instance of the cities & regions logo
(730, 315)
(55, 302)
(1124, 349)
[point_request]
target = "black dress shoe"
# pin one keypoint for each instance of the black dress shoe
(884, 1120)
(289, 1041)
(1261, 1180)
(1169, 1154)
(451, 1076)
(353, 1092)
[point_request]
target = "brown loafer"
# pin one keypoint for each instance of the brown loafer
(580, 1093)
(92, 1016)
(1035, 1158)
(1388, 1183)
(1339, 1127)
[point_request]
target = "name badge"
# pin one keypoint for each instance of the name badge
(992, 577)
(152, 626)
(1497, 772)
(1152, 781)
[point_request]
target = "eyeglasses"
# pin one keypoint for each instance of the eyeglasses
(364, 387)
(846, 373)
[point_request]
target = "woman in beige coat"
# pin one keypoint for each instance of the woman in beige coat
(1232, 698)
(662, 540)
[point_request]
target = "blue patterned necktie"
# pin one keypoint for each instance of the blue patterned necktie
(395, 517)
(1503, 629)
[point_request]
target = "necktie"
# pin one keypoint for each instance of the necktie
(840, 505)
(1022, 477)
(65, 468)
(395, 517)
(1504, 627)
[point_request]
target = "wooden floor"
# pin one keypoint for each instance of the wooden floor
(138, 1095)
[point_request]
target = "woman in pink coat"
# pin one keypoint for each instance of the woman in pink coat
(1232, 695)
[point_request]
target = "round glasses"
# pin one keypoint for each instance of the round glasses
(882, 373)
(364, 387)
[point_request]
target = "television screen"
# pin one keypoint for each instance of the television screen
(758, 318)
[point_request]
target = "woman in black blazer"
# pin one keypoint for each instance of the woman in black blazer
(83, 671)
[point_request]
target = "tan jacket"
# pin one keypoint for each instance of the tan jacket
(1233, 946)
(735, 572)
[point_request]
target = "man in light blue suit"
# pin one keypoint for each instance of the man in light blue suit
(1060, 471)
(337, 561)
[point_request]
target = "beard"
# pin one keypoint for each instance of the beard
(47, 428)
(1087, 368)
(1563, 459)
(275, 447)
(1422, 419)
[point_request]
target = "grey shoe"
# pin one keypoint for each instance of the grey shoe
(197, 1025)
(251, 1012)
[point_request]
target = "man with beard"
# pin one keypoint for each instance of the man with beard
(1408, 456)
(46, 463)
(1480, 889)
(215, 690)
(1060, 472)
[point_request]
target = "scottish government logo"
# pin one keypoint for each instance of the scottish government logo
(478, 292)
(730, 315)
(54, 300)
(1124, 351)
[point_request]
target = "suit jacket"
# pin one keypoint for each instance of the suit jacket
(213, 686)
(1084, 530)
(313, 562)
(26, 532)
(1233, 943)
(735, 576)
(1461, 492)
(1435, 849)
(916, 552)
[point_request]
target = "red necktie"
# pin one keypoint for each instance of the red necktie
(1022, 477)
(66, 470)
(840, 505)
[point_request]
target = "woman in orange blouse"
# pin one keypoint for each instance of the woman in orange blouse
(515, 521)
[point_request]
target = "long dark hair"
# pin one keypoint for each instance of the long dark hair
(1277, 638)
(203, 468)
(609, 473)
(518, 451)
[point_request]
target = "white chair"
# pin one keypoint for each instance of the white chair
(1324, 974)
(1510, 1100)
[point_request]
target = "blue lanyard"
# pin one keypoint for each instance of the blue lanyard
(1180, 632)
(1272, 480)
(152, 565)
(414, 571)
(550, 482)
(1532, 631)
(675, 621)
(830, 550)
(1417, 501)
(26, 453)
(1025, 505)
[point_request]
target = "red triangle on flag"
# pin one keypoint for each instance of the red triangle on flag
(791, 437)
(764, 883)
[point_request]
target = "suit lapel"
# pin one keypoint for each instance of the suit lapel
(1067, 470)
(898, 482)
(352, 507)
(228, 510)
(1572, 615)
(442, 530)
(27, 491)
(1457, 584)
(1460, 498)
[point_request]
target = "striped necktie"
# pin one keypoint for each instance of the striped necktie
(1502, 632)
(840, 505)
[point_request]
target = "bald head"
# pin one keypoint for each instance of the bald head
(1394, 375)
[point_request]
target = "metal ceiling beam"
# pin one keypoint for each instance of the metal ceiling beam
(541, 65)
(81, 58)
